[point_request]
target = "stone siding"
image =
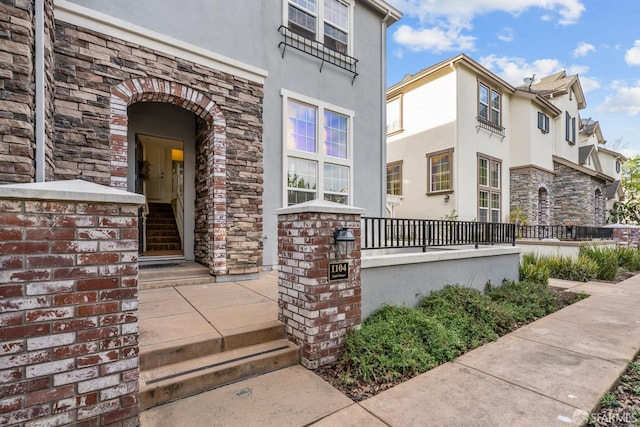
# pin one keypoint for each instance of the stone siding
(69, 322)
(525, 184)
(98, 76)
(575, 197)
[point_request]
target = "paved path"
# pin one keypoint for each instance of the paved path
(550, 372)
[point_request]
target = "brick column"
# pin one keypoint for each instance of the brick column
(68, 304)
(317, 312)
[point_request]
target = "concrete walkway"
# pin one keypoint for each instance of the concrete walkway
(550, 372)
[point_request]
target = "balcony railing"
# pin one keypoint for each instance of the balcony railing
(317, 50)
(563, 232)
(489, 126)
(387, 233)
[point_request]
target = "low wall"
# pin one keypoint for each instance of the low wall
(403, 279)
(553, 247)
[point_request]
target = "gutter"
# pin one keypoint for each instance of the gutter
(383, 103)
(40, 113)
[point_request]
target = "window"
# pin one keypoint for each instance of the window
(543, 122)
(617, 166)
(317, 146)
(440, 173)
(489, 105)
(489, 189)
(569, 128)
(394, 115)
(326, 21)
(394, 178)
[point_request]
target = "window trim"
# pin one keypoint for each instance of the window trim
(320, 158)
(545, 127)
(320, 22)
(448, 151)
(489, 188)
(490, 108)
(569, 128)
(400, 114)
(393, 165)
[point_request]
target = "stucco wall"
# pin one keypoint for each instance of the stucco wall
(403, 279)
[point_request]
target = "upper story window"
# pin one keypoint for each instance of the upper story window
(394, 178)
(317, 146)
(618, 166)
(394, 115)
(543, 122)
(325, 21)
(440, 173)
(489, 104)
(569, 128)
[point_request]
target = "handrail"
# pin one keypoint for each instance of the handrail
(385, 233)
(317, 50)
(177, 201)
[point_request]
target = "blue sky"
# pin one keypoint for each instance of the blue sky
(598, 40)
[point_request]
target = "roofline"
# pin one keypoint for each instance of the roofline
(613, 153)
(386, 9)
(582, 169)
(540, 99)
(463, 59)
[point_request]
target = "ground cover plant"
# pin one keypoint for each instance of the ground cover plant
(621, 406)
(397, 343)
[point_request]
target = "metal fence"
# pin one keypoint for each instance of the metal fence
(563, 232)
(385, 233)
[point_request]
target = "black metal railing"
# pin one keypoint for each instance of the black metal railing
(317, 50)
(563, 232)
(490, 126)
(386, 233)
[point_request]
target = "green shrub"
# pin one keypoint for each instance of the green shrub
(606, 258)
(473, 317)
(629, 258)
(581, 270)
(525, 300)
(534, 272)
(395, 342)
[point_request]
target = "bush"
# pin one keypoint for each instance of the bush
(395, 342)
(629, 258)
(561, 267)
(533, 271)
(473, 317)
(606, 259)
(526, 301)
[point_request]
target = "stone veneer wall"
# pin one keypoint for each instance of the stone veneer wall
(575, 199)
(68, 304)
(525, 184)
(90, 143)
(317, 313)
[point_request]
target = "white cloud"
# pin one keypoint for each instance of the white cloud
(514, 70)
(507, 35)
(433, 39)
(630, 153)
(625, 100)
(583, 49)
(447, 20)
(633, 55)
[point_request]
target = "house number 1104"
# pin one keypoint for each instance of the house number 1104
(338, 270)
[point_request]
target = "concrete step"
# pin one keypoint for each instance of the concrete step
(178, 380)
(167, 353)
(180, 274)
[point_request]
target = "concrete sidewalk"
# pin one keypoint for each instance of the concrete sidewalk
(550, 372)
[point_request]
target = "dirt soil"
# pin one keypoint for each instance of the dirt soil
(622, 406)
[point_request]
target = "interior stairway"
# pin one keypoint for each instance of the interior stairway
(187, 366)
(162, 231)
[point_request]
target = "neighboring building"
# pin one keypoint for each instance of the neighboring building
(463, 142)
(224, 111)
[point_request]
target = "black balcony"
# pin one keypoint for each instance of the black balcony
(489, 126)
(317, 50)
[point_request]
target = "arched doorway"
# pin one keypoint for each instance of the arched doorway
(209, 165)
(544, 207)
(598, 208)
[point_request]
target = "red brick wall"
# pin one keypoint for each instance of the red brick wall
(68, 304)
(317, 313)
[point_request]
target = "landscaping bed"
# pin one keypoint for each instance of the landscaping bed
(621, 406)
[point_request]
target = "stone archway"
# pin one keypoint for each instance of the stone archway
(544, 207)
(157, 90)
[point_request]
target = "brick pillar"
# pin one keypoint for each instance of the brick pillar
(317, 312)
(68, 304)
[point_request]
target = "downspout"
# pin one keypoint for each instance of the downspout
(383, 72)
(40, 92)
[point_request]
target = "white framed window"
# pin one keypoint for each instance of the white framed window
(317, 150)
(394, 115)
(489, 189)
(543, 122)
(327, 21)
(489, 104)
